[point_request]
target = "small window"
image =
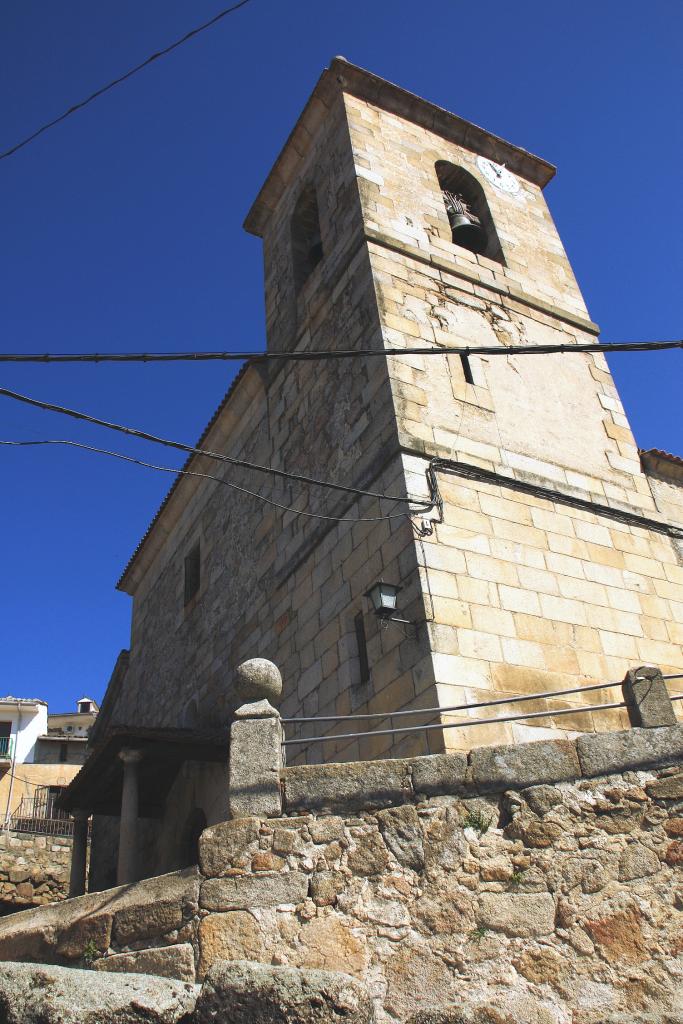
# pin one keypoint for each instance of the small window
(63, 753)
(307, 246)
(69, 728)
(192, 573)
(466, 368)
(361, 643)
(84, 707)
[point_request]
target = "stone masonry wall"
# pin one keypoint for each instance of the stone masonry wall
(526, 594)
(34, 869)
(541, 882)
(287, 586)
(513, 593)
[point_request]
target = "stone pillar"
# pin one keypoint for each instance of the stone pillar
(647, 698)
(255, 766)
(255, 762)
(79, 853)
(128, 832)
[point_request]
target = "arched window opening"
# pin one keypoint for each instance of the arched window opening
(307, 246)
(468, 212)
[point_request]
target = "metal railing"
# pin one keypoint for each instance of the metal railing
(549, 713)
(6, 748)
(38, 814)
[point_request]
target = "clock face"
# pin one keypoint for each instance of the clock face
(498, 175)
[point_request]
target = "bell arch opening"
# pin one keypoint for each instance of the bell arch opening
(307, 246)
(468, 212)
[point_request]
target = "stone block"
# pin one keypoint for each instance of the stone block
(326, 830)
(637, 861)
(235, 935)
(227, 845)
(93, 930)
(668, 788)
(402, 833)
(647, 697)
(153, 906)
(525, 764)
(519, 915)
(164, 962)
(33, 992)
(255, 762)
(20, 874)
(243, 992)
(24, 940)
(363, 785)
(133, 924)
(368, 856)
(289, 887)
(439, 774)
(609, 753)
(326, 886)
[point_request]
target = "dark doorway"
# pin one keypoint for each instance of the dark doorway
(189, 845)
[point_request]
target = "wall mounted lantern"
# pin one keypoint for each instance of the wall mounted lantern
(383, 596)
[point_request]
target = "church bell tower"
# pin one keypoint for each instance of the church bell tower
(390, 223)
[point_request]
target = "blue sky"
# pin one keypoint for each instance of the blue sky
(121, 230)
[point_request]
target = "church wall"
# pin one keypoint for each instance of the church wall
(275, 584)
(520, 594)
(528, 595)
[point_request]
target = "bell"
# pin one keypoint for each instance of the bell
(467, 232)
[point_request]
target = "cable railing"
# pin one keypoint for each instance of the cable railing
(425, 727)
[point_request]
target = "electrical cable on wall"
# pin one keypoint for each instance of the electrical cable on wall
(122, 78)
(318, 356)
(209, 476)
(424, 504)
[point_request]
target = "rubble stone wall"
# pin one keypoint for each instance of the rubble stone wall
(541, 882)
(34, 869)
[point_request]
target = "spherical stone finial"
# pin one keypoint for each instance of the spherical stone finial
(258, 679)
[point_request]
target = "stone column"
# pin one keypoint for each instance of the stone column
(647, 698)
(128, 832)
(79, 853)
(255, 762)
(255, 766)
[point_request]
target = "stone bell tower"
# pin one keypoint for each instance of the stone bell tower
(388, 223)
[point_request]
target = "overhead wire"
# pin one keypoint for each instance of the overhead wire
(424, 504)
(320, 355)
(122, 78)
(209, 476)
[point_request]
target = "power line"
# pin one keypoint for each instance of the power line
(191, 450)
(314, 356)
(209, 476)
(489, 476)
(122, 78)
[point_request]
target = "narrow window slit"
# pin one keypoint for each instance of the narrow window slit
(361, 643)
(192, 573)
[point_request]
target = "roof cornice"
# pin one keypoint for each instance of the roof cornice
(344, 77)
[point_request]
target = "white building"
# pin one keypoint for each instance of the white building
(22, 722)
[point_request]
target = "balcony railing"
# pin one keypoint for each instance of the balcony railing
(6, 748)
(39, 815)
